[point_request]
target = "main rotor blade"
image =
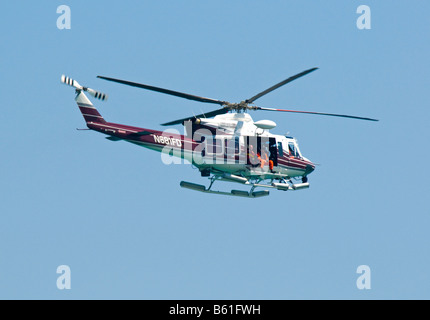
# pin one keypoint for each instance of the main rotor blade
(318, 113)
(166, 91)
(203, 115)
(280, 84)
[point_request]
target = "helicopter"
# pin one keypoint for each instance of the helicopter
(224, 145)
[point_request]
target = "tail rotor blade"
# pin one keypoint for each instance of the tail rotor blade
(70, 82)
(96, 94)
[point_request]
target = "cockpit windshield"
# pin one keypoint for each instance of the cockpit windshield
(293, 150)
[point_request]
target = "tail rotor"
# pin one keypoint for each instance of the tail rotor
(73, 83)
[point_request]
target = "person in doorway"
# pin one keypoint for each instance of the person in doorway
(252, 157)
(264, 157)
(271, 165)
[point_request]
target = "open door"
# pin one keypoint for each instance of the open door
(260, 149)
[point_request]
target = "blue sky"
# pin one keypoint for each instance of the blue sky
(115, 213)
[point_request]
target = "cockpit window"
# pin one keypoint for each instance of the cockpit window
(292, 149)
(298, 152)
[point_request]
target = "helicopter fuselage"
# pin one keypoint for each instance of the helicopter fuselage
(222, 145)
(228, 144)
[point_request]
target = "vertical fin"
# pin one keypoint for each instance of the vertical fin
(88, 110)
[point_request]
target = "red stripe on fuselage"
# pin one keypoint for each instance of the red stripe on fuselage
(161, 139)
(147, 136)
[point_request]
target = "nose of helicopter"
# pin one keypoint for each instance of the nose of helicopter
(309, 168)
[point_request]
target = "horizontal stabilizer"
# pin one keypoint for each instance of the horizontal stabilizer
(112, 138)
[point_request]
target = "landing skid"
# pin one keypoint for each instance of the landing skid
(234, 193)
(283, 185)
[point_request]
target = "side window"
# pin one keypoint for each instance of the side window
(214, 146)
(280, 150)
(232, 146)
